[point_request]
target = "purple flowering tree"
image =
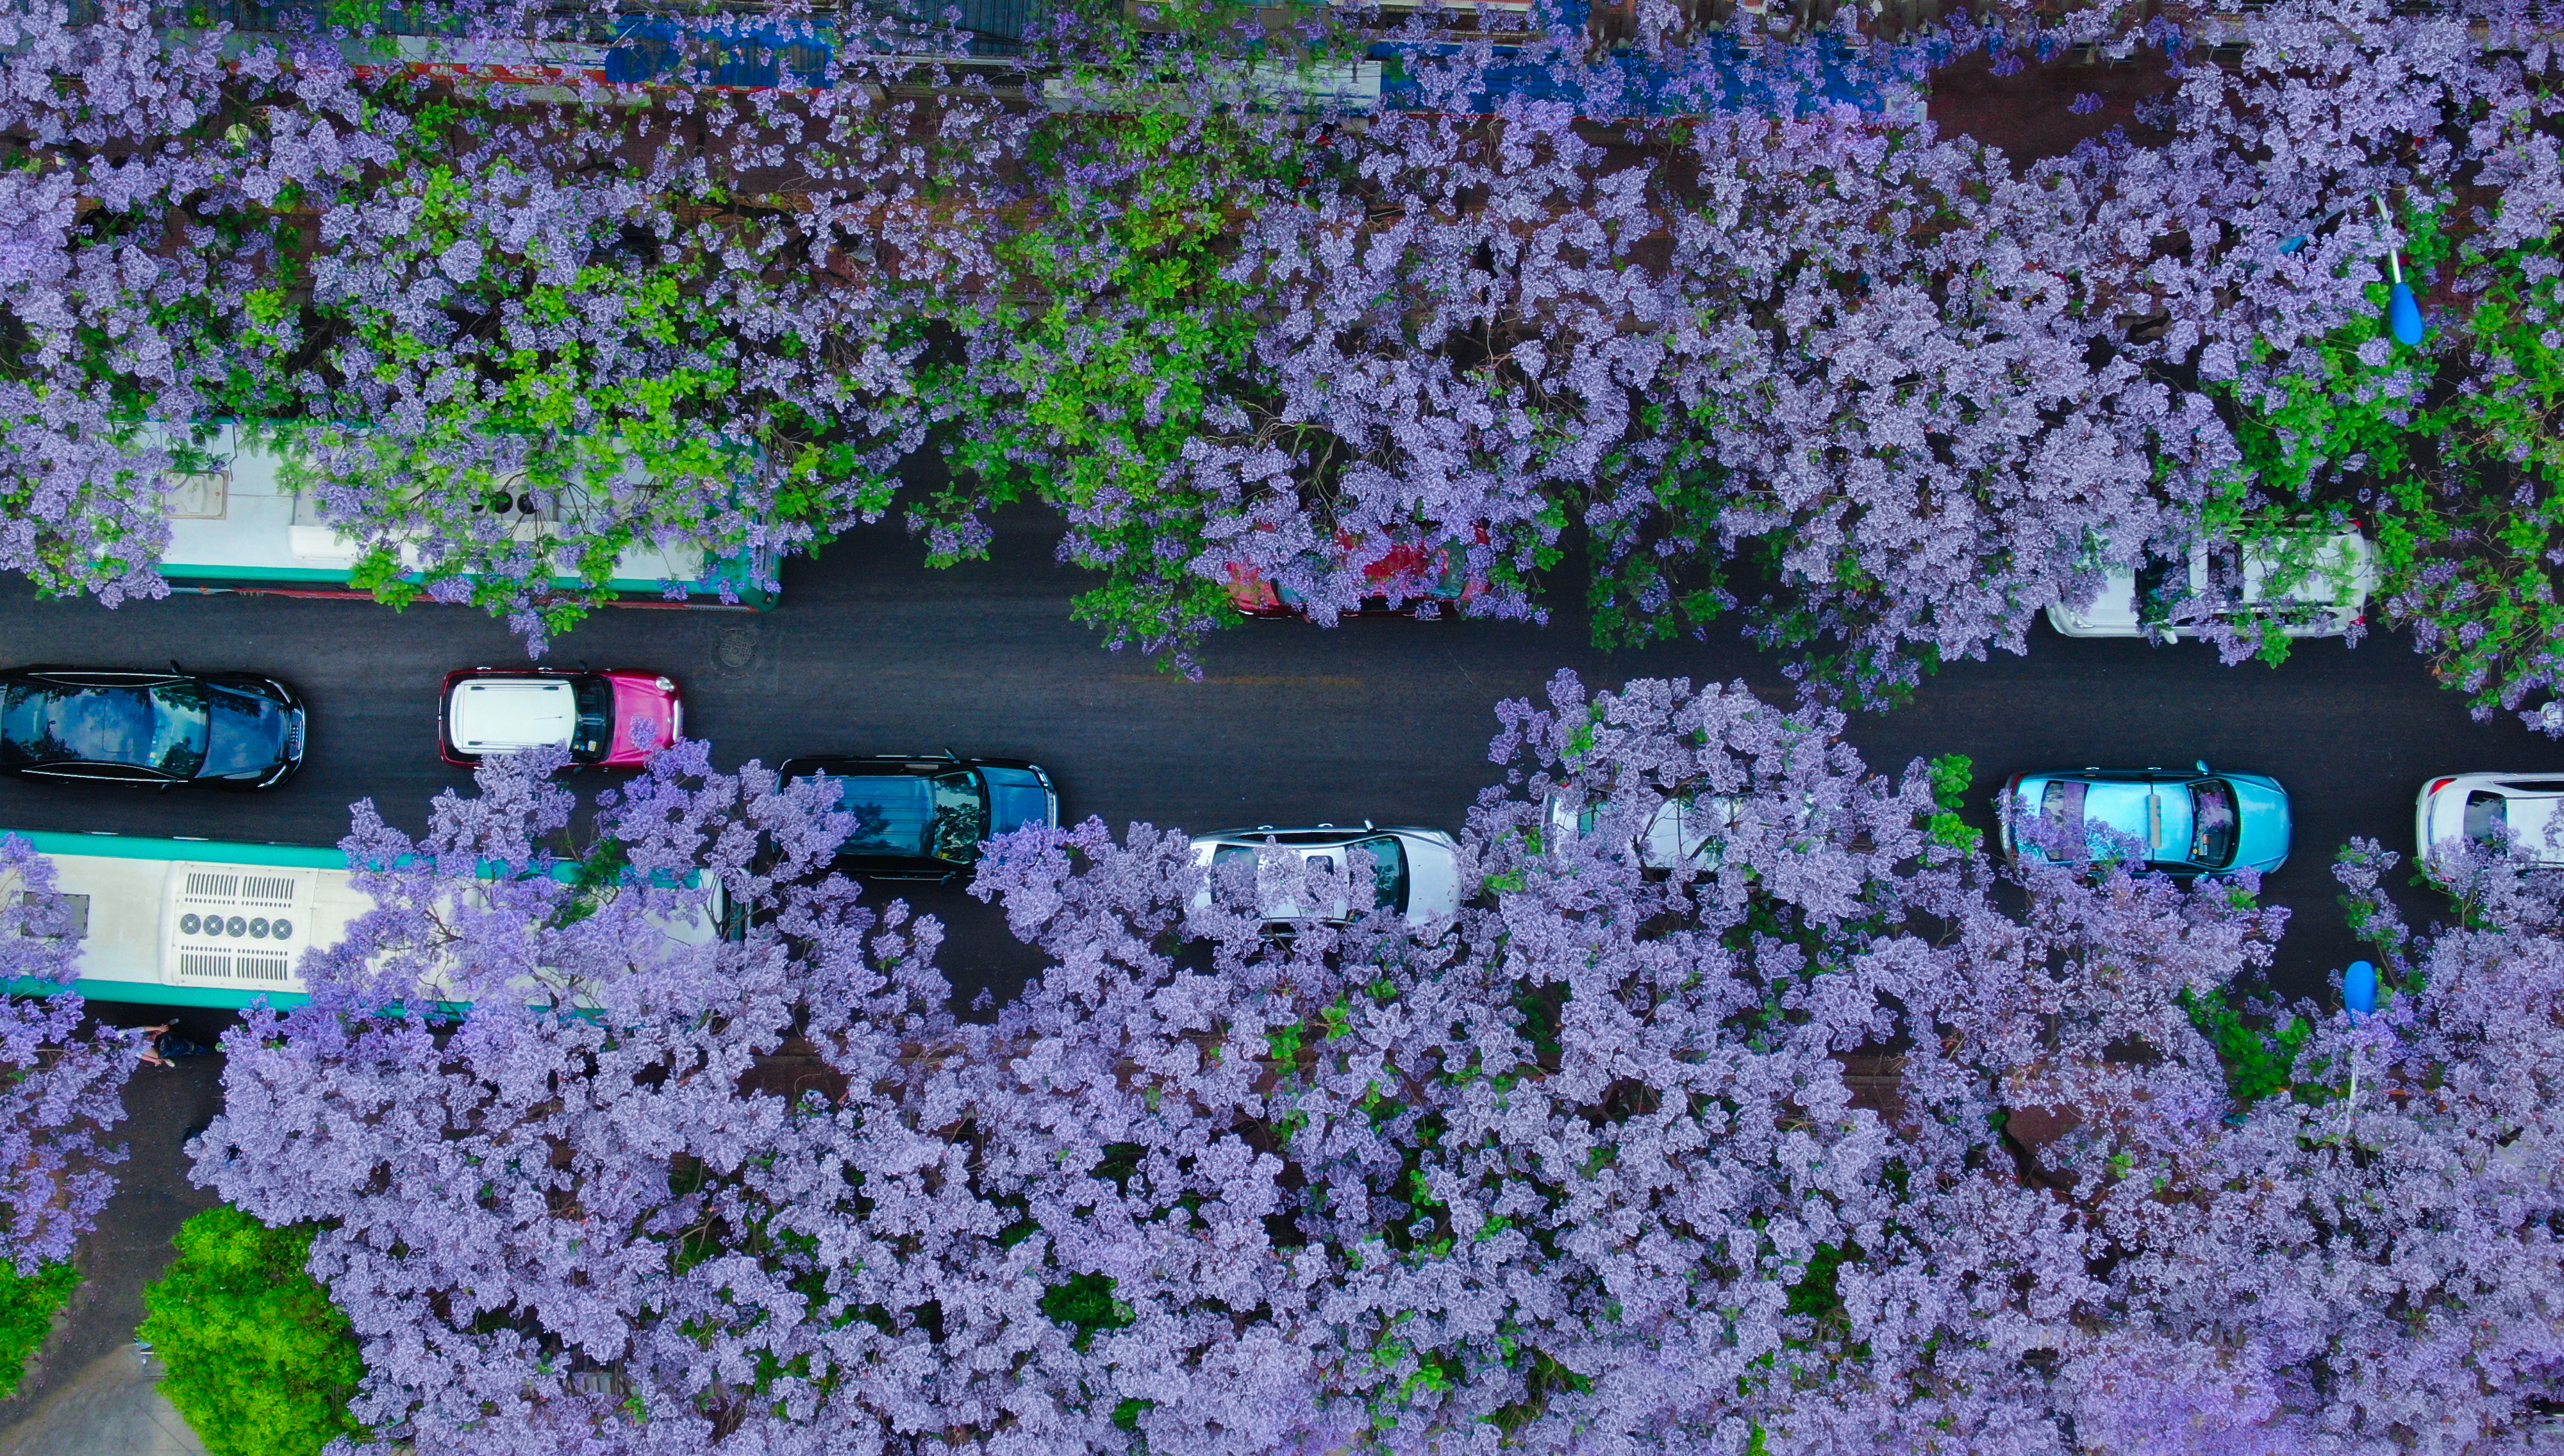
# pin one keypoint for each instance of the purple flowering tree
(1885, 391)
(1638, 1153)
(661, 1192)
(59, 1086)
(2366, 1261)
(1809, 1127)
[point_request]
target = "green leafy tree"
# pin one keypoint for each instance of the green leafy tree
(2450, 451)
(260, 1363)
(27, 1303)
(1951, 774)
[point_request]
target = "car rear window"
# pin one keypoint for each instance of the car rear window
(2213, 823)
(2060, 805)
(2488, 816)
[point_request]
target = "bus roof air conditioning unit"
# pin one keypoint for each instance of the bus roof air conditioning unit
(236, 925)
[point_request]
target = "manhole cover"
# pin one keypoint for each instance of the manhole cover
(736, 649)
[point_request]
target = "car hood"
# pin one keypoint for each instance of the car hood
(245, 734)
(1017, 797)
(644, 711)
(2261, 831)
(1432, 880)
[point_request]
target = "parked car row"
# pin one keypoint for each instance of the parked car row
(929, 816)
(917, 816)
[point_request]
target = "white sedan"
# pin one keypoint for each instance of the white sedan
(2477, 806)
(2329, 582)
(1417, 871)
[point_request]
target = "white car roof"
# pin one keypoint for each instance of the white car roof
(2533, 798)
(505, 715)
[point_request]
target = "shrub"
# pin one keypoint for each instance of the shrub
(260, 1362)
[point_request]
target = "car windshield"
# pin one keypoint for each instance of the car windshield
(160, 727)
(960, 817)
(1388, 870)
(2156, 590)
(2213, 823)
(591, 735)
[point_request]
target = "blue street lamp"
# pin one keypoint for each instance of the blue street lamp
(2359, 998)
(2359, 988)
(2402, 315)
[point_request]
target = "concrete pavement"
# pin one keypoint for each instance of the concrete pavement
(86, 1392)
(110, 1406)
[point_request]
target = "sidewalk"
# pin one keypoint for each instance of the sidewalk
(86, 1392)
(109, 1408)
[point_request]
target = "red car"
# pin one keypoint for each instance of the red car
(614, 719)
(1438, 577)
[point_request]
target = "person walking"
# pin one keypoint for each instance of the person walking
(161, 1046)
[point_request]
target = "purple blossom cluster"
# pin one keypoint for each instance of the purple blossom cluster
(1818, 1138)
(61, 1083)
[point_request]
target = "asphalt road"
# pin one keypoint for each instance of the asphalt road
(1383, 719)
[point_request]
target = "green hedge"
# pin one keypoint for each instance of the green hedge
(260, 1362)
(27, 1303)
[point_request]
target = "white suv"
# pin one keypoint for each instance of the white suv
(2329, 579)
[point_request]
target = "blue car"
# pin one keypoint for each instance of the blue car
(924, 818)
(2186, 823)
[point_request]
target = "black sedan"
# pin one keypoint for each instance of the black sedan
(237, 729)
(923, 818)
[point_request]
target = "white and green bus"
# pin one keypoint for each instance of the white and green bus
(236, 528)
(209, 923)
